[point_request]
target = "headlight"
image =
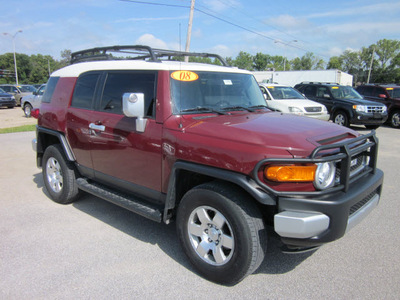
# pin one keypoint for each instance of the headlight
(360, 108)
(324, 109)
(325, 175)
(295, 110)
(384, 109)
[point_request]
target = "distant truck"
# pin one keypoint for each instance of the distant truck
(292, 78)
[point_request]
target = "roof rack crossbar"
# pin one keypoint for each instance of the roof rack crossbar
(142, 52)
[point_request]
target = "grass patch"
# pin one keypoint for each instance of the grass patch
(18, 129)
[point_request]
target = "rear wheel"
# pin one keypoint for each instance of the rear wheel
(341, 118)
(394, 119)
(59, 175)
(221, 232)
(27, 110)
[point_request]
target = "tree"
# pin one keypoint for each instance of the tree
(261, 61)
(244, 61)
(307, 62)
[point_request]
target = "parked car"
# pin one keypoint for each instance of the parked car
(7, 100)
(388, 94)
(32, 101)
(288, 100)
(18, 91)
(344, 104)
(195, 144)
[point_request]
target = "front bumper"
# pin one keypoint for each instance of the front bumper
(369, 118)
(308, 222)
(8, 103)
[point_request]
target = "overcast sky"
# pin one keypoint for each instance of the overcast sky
(225, 27)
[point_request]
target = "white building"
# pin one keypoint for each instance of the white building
(292, 78)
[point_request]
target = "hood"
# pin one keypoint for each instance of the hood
(360, 102)
(299, 102)
(272, 131)
(5, 95)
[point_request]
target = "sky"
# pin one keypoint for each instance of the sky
(286, 27)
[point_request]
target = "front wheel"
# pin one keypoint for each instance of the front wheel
(394, 119)
(27, 110)
(59, 176)
(341, 118)
(221, 232)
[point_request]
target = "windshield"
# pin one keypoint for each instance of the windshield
(345, 92)
(393, 92)
(284, 92)
(27, 88)
(1, 90)
(212, 91)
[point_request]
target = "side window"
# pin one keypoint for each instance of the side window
(84, 90)
(50, 87)
(118, 83)
(265, 93)
(309, 91)
(321, 91)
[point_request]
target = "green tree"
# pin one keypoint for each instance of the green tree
(244, 61)
(261, 61)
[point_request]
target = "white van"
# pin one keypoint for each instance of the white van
(288, 100)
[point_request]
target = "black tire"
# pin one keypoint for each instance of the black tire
(394, 119)
(27, 110)
(59, 175)
(232, 233)
(340, 117)
(372, 126)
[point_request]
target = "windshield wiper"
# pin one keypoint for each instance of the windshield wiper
(238, 107)
(204, 109)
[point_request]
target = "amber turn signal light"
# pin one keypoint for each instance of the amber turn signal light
(290, 173)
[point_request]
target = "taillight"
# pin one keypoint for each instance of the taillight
(35, 113)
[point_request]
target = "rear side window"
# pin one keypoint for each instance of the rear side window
(84, 90)
(50, 87)
(310, 91)
(118, 83)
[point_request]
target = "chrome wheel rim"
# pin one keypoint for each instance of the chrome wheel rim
(339, 119)
(27, 111)
(211, 235)
(54, 175)
(396, 119)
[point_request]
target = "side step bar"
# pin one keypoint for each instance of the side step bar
(134, 204)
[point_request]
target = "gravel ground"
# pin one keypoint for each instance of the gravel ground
(14, 117)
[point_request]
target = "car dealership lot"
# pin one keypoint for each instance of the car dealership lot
(93, 249)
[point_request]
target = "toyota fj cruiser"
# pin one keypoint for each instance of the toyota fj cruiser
(195, 144)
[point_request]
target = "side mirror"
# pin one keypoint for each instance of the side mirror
(383, 96)
(133, 107)
(35, 93)
(326, 96)
(265, 96)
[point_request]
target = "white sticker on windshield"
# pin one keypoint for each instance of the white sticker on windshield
(228, 82)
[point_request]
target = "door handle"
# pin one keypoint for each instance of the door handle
(97, 127)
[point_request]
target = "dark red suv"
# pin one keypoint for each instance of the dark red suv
(388, 94)
(195, 144)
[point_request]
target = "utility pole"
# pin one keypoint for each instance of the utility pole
(189, 32)
(15, 58)
(370, 65)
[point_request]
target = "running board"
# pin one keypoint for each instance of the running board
(129, 202)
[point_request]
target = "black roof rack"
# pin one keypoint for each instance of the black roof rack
(137, 52)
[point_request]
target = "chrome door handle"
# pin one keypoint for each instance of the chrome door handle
(97, 127)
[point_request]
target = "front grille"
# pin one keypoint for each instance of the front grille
(358, 163)
(375, 109)
(361, 203)
(5, 98)
(313, 109)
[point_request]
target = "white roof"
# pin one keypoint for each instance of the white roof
(76, 69)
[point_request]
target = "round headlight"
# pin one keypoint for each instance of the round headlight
(325, 175)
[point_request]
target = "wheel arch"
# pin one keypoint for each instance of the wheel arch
(46, 137)
(185, 175)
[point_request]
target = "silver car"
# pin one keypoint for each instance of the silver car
(32, 101)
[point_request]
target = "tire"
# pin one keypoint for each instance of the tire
(372, 126)
(341, 118)
(394, 119)
(222, 232)
(27, 110)
(59, 176)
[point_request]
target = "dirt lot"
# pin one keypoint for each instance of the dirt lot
(14, 117)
